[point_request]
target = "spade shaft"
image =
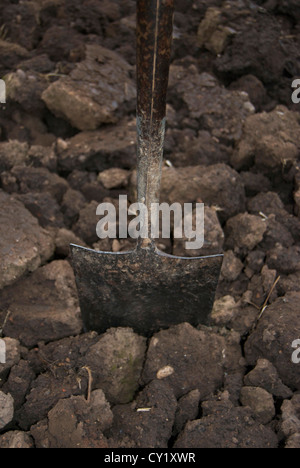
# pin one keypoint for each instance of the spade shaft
(154, 41)
(146, 289)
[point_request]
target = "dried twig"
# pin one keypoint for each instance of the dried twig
(4, 323)
(50, 365)
(265, 304)
(90, 382)
(3, 32)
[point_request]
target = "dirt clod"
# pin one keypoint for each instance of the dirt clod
(6, 409)
(93, 104)
(226, 427)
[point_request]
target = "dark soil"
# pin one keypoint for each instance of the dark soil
(67, 143)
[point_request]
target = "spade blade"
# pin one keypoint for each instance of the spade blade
(145, 289)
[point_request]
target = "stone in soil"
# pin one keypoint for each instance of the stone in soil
(24, 245)
(277, 329)
(94, 91)
(43, 306)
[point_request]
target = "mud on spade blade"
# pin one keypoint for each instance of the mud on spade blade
(146, 289)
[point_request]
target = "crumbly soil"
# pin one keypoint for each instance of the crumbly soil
(68, 143)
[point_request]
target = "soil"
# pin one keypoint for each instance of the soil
(67, 143)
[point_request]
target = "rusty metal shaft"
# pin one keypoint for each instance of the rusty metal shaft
(154, 41)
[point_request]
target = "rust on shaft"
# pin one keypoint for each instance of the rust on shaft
(154, 41)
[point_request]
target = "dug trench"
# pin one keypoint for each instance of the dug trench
(67, 144)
